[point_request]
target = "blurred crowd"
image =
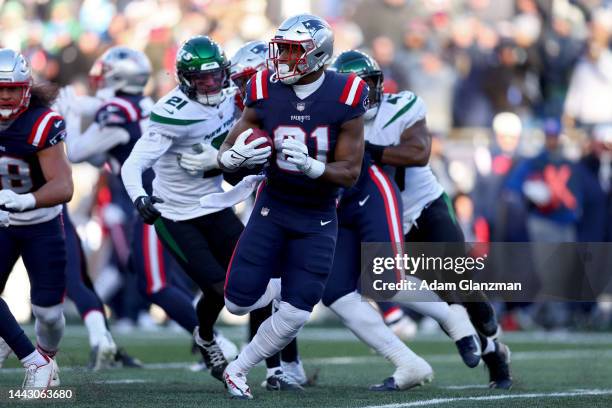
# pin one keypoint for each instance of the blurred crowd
(519, 92)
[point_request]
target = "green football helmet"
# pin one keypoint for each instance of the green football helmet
(202, 70)
(367, 68)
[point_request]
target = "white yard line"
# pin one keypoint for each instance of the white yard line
(436, 401)
(373, 359)
(124, 381)
(333, 334)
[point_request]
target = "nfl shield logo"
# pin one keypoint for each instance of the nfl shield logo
(265, 211)
(300, 106)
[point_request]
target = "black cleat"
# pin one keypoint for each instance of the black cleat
(498, 363)
(212, 354)
(127, 361)
(281, 382)
(469, 349)
(388, 384)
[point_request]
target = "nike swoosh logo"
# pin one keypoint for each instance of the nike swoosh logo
(365, 200)
(236, 156)
(324, 223)
(169, 111)
(58, 124)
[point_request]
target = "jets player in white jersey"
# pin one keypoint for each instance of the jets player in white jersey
(186, 127)
(397, 139)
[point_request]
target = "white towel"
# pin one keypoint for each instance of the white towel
(238, 194)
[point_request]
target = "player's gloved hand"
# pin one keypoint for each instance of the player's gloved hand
(4, 219)
(297, 153)
(65, 100)
(245, 154)
(12, 201)
(204, 159)
(146, 208)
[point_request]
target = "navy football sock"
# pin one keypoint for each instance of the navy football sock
(177, 306)
(12, 333)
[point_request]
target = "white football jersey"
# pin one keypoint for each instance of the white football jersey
(187, 123)
(396, 113)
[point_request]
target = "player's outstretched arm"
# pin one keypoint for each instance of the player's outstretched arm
(55, 167)
(147, 150)
(346, 168)
(412, 151)
(93, 141)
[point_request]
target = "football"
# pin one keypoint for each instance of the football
(257, 133)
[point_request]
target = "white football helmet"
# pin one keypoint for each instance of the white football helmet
(120, 69)
(15, 72)
(249, 59)
(302, 44)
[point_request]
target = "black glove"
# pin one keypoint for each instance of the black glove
(376, 151)
(146, 209)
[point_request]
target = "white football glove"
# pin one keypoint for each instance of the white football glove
(65, 101)
(297, 153)
(204, 159)
(69, 103)
(17, 202)
(4, 219)
(245, 155)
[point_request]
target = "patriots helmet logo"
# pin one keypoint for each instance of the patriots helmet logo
(258, 49)
(313, 26)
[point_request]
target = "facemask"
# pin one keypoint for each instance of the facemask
(211, 99)
(283, 69)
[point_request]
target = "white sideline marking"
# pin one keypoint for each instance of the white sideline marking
(434, 401)
(124, 381)
(373, 359)
(466, 387)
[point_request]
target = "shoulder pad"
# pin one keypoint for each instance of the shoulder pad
(112, 115)
(258, 85)
(130, 111)
(175, 109)
(44, 125)
(406, 106)
(353, 89)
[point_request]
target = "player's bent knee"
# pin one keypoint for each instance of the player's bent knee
(331, 296)
(49, 315)
(288, 319)
(237, 309)
(350, 308)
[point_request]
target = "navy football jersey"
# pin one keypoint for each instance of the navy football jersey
(315, 121)
(36, 129)
(130, 113)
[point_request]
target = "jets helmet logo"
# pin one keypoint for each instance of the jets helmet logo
(313, 26)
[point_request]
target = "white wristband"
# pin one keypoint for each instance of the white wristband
(315, 169)
(29, 201)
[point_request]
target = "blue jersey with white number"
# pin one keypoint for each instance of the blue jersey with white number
(127, 112)
(34, 130)
(315, 121)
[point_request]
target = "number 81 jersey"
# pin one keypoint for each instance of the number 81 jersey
(34, 130)
(315, 120)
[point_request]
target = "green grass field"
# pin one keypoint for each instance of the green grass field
(563, 370)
